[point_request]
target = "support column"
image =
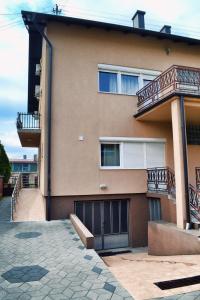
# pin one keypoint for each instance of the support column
(180, 162)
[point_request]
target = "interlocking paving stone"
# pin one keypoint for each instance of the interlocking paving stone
(70, 273)
(27, 235)
(76, 239)
(88, 257)
(24, 274)
(109, 287)
(81, 247)
(97, 270)
(5, 209)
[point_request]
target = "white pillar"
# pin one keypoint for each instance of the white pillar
(178, 164)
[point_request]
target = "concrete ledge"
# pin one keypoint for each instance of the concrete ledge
(166, 239)
(85, 235)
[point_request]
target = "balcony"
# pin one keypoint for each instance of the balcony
(28, 128)
(177, 80)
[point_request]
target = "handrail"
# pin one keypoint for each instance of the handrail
(162, 180)
(197, 171)
(28, 121)
(194, 197)
(15, 194)
(176, 79)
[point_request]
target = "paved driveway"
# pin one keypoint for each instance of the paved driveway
(47, 260)
(5, 209)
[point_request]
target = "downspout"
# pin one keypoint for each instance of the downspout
(185, 162)
(49, 86)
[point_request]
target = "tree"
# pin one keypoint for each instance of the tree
(5, 168)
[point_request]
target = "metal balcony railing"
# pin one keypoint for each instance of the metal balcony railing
(28, 121)
(175, 80)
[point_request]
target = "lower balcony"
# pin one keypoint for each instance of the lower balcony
(28, 128)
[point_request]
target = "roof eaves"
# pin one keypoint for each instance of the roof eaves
(44, 18)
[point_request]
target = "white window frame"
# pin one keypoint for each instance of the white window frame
(120, 155)
(121, 141)
(120, 70)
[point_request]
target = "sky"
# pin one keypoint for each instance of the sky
(182, 15)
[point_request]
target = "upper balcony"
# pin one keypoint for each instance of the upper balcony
(28, 128)
(175, 81)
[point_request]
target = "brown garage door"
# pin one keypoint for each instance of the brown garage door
(106, 220)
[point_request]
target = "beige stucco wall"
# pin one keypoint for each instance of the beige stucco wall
(78, 109)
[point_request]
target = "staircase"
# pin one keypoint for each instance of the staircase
(162, 181)
(27, 202)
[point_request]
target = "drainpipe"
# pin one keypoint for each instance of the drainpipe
(185, 162)
(49, 86)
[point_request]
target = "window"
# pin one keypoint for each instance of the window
(16, 167)
(193, 134)
(110, 155)
(25, 168)
(123, 80)
(135, 154)
(129, 84)
(154, 209)
(108, 82)
(33, 167)
(146, 81)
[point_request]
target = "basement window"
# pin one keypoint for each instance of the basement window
(154, 209)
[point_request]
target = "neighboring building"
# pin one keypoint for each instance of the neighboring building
(97, 137)
(28, 168)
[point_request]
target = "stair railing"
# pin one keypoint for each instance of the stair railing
(194, 198)
(161, 180)
(15, 194)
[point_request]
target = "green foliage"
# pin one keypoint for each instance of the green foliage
(5, 167)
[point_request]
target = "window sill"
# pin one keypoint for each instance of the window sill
(120, 168)
(118, 94)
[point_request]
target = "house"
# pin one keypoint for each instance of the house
(114, 112)
(27, 167)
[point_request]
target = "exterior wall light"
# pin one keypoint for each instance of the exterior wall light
(103, 186)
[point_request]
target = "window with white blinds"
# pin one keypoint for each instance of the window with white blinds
(133, 155)
(137, 154)
(155, 155)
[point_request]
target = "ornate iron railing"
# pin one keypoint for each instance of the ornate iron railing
(197, 170)
(161, 180)
(194, 198)
(28, 121)
(175, 80)
(15, 194)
